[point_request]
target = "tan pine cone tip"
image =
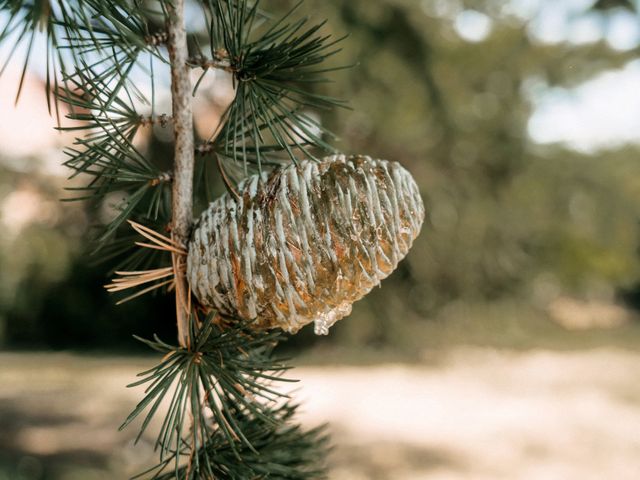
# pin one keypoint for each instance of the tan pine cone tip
(304, 242)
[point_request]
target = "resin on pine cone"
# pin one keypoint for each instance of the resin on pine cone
(305, 241)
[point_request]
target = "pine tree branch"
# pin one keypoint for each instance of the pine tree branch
(184, 154)
(219, 62)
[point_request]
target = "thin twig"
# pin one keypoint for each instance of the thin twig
(220, 62)
(184, 156)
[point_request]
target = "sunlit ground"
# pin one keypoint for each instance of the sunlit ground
(469, 413)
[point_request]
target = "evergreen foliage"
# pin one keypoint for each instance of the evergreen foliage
(225, 416)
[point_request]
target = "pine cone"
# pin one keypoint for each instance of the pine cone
(304, 242)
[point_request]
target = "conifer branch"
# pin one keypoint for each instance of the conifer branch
(219, 62)
(224, 416)
(184, 154)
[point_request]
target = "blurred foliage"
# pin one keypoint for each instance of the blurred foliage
(49, 296)
(508, 220)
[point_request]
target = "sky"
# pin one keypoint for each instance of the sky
(601, 113)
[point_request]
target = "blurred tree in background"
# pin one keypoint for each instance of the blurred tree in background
(448, 89)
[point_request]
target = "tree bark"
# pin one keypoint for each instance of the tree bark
(182, 204)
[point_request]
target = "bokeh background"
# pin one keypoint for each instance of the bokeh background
(506, 345)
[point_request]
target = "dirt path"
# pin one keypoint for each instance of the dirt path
(475, 414)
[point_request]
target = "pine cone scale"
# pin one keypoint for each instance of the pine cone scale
(304, 242)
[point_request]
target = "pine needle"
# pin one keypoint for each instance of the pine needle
(127, 280)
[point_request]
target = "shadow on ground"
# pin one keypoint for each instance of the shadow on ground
(479, 414)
